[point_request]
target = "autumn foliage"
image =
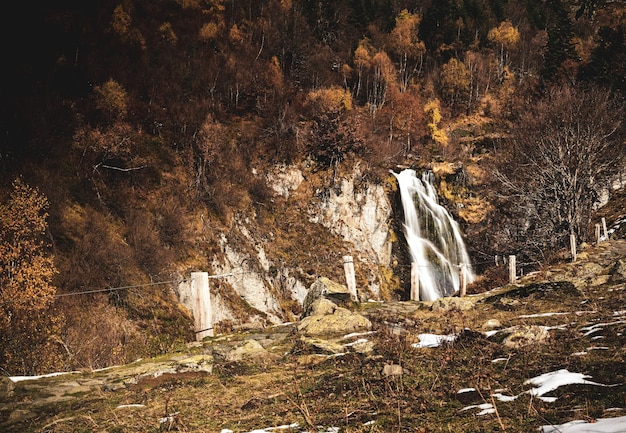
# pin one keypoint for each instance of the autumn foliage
(26, 273)
(150, 126)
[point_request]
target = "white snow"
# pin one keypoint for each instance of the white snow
(21, 378)
(268, 429)
(601, 425)
(599, 326)
(485, 408)
(433, 340)
(530, 316)
(126, 406)
(357, 334)
(354, 343)
(464, 390)
(548, 382)
(543, 384)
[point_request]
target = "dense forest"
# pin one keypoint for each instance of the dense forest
(131, 130)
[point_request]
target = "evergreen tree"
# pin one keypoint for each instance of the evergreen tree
(560, 33)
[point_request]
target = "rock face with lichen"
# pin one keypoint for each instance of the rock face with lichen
(322, 316)
(260, 286)
(324, 289)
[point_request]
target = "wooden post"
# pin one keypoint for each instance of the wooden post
(348, 267)
(604, 230)
(598, 234)
(462, 279)
(512, 270)
(202, 311)
(572, 245)
(415, 282)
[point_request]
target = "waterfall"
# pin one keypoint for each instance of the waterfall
(433, 237)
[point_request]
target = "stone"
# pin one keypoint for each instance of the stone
(6, 387)
(342, 321)
(322, 306)
(249, 350)
(491, 324)
(325, 288)
(525, 335)
(618, 271)
(196, 363)
(392, 370)
(452, 303)
(363, 347)
(323, 346)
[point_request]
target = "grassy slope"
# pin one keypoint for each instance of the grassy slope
(350, 390)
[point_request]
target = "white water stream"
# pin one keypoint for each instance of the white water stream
(434, 238)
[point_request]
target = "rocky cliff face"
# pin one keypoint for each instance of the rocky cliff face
(266, 285)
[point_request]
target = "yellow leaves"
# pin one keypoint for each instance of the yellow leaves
(116, 140)
(384, 68)
(167, 33)
(331, 99)
(455, 77)
(208, 31)
(472, 209)
(505, 34)
(120, 22)
(236, 36)
(121, 26)
(111, 98)
(403, 37)
(433, 110)
(25, 269)
(362, 56)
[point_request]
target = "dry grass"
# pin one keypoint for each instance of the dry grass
(351, 391)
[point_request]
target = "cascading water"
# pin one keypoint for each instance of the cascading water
(433, 237)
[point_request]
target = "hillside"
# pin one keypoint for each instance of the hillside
(542, 352)
(144, 140)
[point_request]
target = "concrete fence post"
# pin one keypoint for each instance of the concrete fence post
(348, 267)
(604, 230)
(415, 282)
(201, 301)
(512, 269)
(462, 279)
(572, 245)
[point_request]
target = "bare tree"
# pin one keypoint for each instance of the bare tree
(564, 148)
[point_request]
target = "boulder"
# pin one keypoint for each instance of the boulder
(6, 387)
(392, 370)
(363, 347)
(322, 307)
(322, 346)
(618, 271)
(491, 324)
(200, 362)
(249, 350)
(341, 321)
(524, 335)
(452, 303)
(328, 289)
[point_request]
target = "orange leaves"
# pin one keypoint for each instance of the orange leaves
(403, 38)
(111, 98)
(505, 34)
(433, 110)
(26, 270)
(330, 100)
